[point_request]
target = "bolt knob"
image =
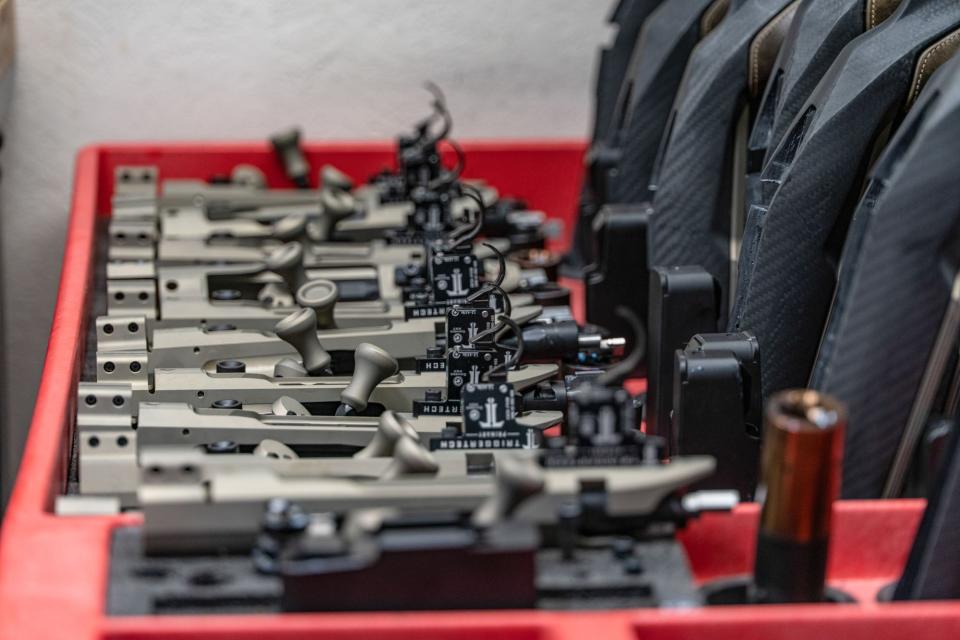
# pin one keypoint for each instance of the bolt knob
(289, 228)
(287, 262)
(372, 366)
(334, 206)
(334, 179)
(299, 330)
(247, 175)
(410, 458)
(286, 144)
(389, 431)
(274, 450)
(287, 406)
(517, 479)
(321, 296)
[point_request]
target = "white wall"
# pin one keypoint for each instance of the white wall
(91, 70)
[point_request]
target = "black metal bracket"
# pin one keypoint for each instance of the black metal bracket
(717, 407)
(683, 302)
(619, 277)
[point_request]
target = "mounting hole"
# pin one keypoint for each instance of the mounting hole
(135, 367)
(125, 176)
(172, 285)
(196, 349)
(143, 295)
(93, 441)
(185, 432)
(118, 401)
(200, 394)
(108, 328)
(208, 578)
(109, 367)
(90, 400)
(122, 441)
(150, 572)
(119, 295)
(133, 327)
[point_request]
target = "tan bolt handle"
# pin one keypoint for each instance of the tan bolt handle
(275, 450)
(290, 228)
(286, 144)
(390, 430)
(299, 330)
(287, 406)
(410, 458)
(287, 262)
(321, 296)
(334, 179)
(372, 366)
(247, 175)
(334, 206)
(517, 479)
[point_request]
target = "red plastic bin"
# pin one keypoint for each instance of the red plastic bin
(53, 570)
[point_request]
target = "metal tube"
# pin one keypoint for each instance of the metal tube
(803, 448)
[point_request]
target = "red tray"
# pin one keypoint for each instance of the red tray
(53, 570)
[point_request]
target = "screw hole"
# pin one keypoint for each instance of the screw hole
(135, 367)
(94, 441)
(133, 327)
(118, 401)
(119, 295)
(208, 578)
(90, 400)
(185, 432)
(109, 367)
(172, 285)
(150, 572)
(122, 441)
(108, 328)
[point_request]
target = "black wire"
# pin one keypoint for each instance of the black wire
(507, 322)
(448, 177)
(618, 372)
(494, 286)
(455, 239)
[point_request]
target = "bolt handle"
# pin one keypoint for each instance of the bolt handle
(321, 296)
(333, 179)
(290, 228)
(275, 450)
(299, 330)
(335, 206)
(410, 458)
(372, 366)
(287, 262)
(517, 479)
(286, 144)
(389, 431)
(247, 175)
